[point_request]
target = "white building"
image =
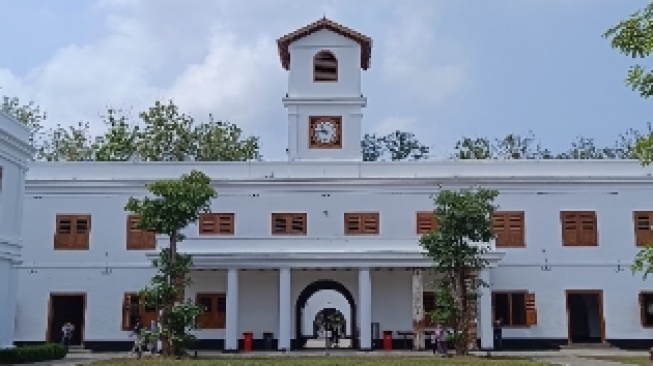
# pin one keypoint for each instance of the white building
(281, 231)
(15, 152)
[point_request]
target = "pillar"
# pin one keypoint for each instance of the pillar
(418, 309)
(285, 309)
(231, 326)
(365, 305)
(485, 312)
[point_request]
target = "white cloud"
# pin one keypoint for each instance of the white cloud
(418, 59)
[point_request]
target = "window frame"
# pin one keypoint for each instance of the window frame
(216, 316)
(510, 294)
(72, 240)
(331, 58)
(144, 313)
(579, 236)
(289, 217)
(505, 238)
(211, 223)
(139, 239)
(361, 216)
(643, 236)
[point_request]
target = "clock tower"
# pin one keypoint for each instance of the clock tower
(324, 100)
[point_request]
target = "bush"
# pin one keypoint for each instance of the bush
(29, 354)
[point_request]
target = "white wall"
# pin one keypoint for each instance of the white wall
(15, 151)
(302, 51)
(397, 200)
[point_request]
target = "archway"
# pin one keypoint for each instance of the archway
(300, 339)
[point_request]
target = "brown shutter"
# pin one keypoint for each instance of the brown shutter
(64, 234)
(226, 224)
(643, 222)
(425, 222)
(588, 232)
(370, 223)
(352, 223)
(499, 227)
(82, 228)
(134, 236)
(531, 310)
(570, 228)
(515, 228)
(207, 224)
(125, 311)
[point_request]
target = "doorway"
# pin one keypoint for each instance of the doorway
(301, 337)
(66, 308)
(585, 316)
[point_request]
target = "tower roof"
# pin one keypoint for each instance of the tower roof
(364, 41)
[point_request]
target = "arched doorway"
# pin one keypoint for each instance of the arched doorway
(300, 338)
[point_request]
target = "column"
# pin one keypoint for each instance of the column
(485, 312)
(365, 305)
(231, 326)
(285, 309)
(418, 309)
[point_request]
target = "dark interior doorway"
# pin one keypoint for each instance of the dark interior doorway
(300, 339)
(585, 316)
(67, 308)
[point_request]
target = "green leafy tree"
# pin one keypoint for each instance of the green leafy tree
(371, 147)
(633, 37)
(473, 148)
(30, 114)
(70, 143)
(174, 204)
(455, 247)
(395, 146)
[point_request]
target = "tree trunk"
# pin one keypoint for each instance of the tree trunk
(463, 321)
(169, 301)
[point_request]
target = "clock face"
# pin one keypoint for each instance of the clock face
(325, 132)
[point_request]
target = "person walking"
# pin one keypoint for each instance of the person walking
(138, 343)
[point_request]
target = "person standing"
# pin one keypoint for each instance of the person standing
(67, 333)
(153, 340)
(138, 343)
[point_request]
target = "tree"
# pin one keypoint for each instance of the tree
(633, 37)
(174, 205)
(586, 148)
(468, 148)
(71, 143)
(464, 221)
(30, 114)
(511, 146)
(395, 146)
(371, 147)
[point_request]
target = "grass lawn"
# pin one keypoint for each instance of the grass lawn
(628, 360)
(329, 360)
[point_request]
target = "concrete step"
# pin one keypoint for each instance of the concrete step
(587, 346)
(78, 349)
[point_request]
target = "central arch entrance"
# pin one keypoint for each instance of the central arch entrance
(319, 285)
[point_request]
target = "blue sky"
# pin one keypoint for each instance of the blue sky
(442, 69)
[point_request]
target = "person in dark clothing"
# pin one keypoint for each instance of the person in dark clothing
(138, 343)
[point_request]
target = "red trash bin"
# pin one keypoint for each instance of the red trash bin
(387, 340)
(248, 341)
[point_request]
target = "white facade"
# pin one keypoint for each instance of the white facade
(15, 152)
(267, 278)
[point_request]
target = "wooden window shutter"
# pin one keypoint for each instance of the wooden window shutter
(570, 228)
(370, 223)
(82, 231)
(64, 233)
(125, 311)
(353, 223)
(531, 310)
(216, 224)
(515, 228)
(643, 223)
(588, 230)
(134, 236)
(425, 222)
(499, 227)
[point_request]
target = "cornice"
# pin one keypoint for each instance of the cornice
(356, 101)
(269, 260)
